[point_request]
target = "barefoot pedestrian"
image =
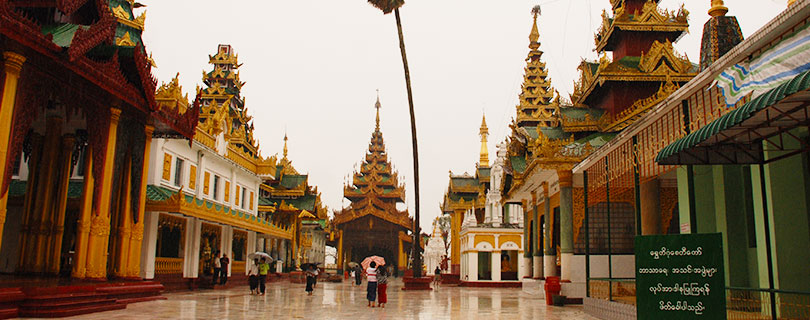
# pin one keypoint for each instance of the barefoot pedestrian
(382, 286)
(311, 274)
(264, 267)
(253, 276)
(371, 276)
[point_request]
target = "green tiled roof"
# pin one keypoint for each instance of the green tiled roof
(291, 181)
(554, 133)
(518, 164)
(158, 193)
(579, 113)
(62, 33)
(17, 188)
(463, 181)
(306, 202)
(483, 173)
(265, 202)
(531, 131)
(735, 117)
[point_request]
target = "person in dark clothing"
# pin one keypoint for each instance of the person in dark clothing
(311, 274)
(263, 269)
(224, 271)
(217, 268)
(358, 275)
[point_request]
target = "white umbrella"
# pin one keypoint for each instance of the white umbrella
(259, 255)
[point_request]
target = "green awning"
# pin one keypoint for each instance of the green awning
(735, 138)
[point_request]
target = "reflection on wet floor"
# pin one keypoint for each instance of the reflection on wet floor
(344, 301)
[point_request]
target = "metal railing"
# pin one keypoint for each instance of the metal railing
(741, 303)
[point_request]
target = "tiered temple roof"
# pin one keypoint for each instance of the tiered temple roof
(610, 95)
(375, 189)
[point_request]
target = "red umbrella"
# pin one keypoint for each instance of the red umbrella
(367, 261)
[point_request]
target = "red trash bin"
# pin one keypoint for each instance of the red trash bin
(552, 287)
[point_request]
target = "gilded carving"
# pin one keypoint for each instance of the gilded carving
(192, 177)
(206, 178)
(167, 166)
(227, 191)
(100, 226)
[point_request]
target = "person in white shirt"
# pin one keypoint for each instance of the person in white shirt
(253, 276)
(371, 276)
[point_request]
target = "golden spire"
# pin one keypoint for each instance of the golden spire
(378, 106)
(484, 132)
(717, 9)
(791, 2)
(534, 35)
(285, 146)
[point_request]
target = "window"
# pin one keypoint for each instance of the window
(215, 194)
(243, 198)
(178, 172)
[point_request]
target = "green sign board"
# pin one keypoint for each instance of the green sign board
(680, 277)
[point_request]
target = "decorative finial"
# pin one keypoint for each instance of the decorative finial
(791, 2)
(483, 161)
(377, 106)
(285, 145)
(534, 35)
(718, 9)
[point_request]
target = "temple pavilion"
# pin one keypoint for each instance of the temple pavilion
(77, 121)
(372, 224)
(637, 69)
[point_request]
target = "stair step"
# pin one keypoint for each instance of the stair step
(66, 303)
(8, 312)
(72, 311)
(65, 296)
(140, 299)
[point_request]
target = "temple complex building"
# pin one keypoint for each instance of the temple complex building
(77, 122)
(490, 238)
(551, 134)
(203, 197)
(287, 198)
(372, 224)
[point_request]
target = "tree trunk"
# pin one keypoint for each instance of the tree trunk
(416, 248)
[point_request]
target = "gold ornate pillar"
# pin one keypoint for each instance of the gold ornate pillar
(340, 251)
(100, 222)
(85, 214)
(134, 261)
(58, 212)
(27, 238)
(41, 222)
(124, 229)
(12, 66)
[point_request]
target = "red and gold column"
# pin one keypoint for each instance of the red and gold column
(58, 210)
(136, 240)
(85, 216)
(124, 228)
(96, 267)
(45, 195)
(12, 66)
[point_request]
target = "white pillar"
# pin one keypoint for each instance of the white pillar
(550, 265)
(226, 246)
(521, 266)
(148, 247)
(191, 256)
(473, 262)
(496, 265)
(537, 266)
(565, 261)
(251, 248)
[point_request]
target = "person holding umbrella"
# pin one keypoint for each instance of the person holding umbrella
(311, 274)
(263, 267)
(371, 275)
(253, 276)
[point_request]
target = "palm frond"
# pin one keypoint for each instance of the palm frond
(387, 5)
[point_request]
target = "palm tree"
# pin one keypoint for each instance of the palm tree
(387, 6)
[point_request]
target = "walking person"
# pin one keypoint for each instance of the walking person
(371, 275)
(358, 275)
(253, 276)
(264, 267)
(382, 286)
(217, 268)
(224, 268)
(311, 273)
(437, 277)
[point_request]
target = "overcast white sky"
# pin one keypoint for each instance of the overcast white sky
(312, 68)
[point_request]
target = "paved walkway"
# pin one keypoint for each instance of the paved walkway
(344, 301)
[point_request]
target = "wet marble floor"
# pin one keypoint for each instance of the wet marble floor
(344, 301)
